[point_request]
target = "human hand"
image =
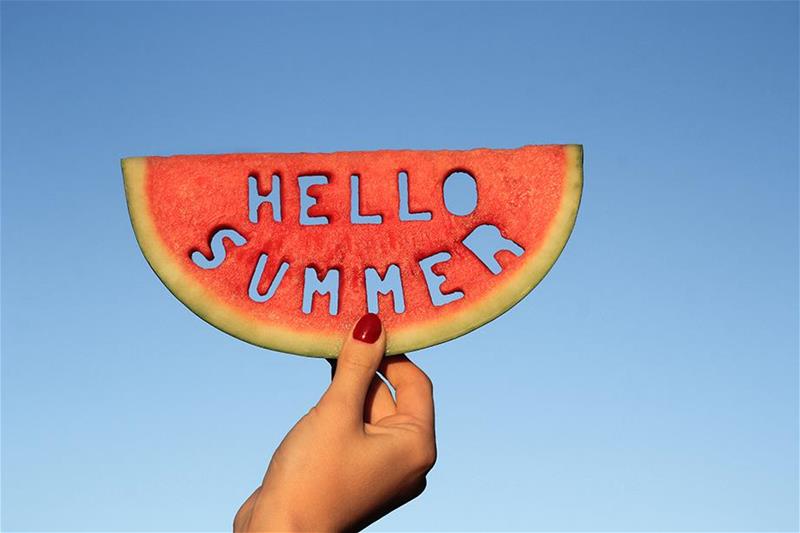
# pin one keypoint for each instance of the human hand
(356, 455)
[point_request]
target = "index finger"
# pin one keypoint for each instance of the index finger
(413, 388)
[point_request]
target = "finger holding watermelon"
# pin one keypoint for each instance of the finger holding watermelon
(285, 251)
(357, 454)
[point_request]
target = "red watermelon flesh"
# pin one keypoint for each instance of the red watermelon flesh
(177, 204)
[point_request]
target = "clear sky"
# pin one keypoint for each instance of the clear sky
(649, 383)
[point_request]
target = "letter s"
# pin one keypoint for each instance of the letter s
(217, 248)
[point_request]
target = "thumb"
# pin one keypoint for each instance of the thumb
(358, 361)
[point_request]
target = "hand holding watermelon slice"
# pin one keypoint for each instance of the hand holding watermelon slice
(286, 250)
(357, 454)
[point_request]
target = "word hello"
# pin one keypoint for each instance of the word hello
(484, 241)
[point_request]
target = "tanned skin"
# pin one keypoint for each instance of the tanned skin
(356, 455)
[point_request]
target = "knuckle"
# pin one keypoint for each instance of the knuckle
(333, 404)
(419, 487)
(416, 488)
(426, 383)
(356, 363)
(424, 456)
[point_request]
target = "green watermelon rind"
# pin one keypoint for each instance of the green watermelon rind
(403, 339)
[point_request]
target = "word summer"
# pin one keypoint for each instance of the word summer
(485, 241)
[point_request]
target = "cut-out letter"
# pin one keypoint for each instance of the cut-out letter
(434, 280)
(460, 193)
(391, 283)
(486, 241)
(405, 211)
(217, 248)
(328, 285)
(307, 201)
(255, 281)
(255, 198)
(355, 205)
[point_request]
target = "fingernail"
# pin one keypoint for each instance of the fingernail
(368, 328)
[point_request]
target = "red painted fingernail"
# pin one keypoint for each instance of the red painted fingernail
(368, 328)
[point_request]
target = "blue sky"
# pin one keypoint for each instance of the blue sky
(649, 383)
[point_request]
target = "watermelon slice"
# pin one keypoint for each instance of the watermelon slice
(287, 251)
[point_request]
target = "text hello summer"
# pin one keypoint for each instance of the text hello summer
(484, 241)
